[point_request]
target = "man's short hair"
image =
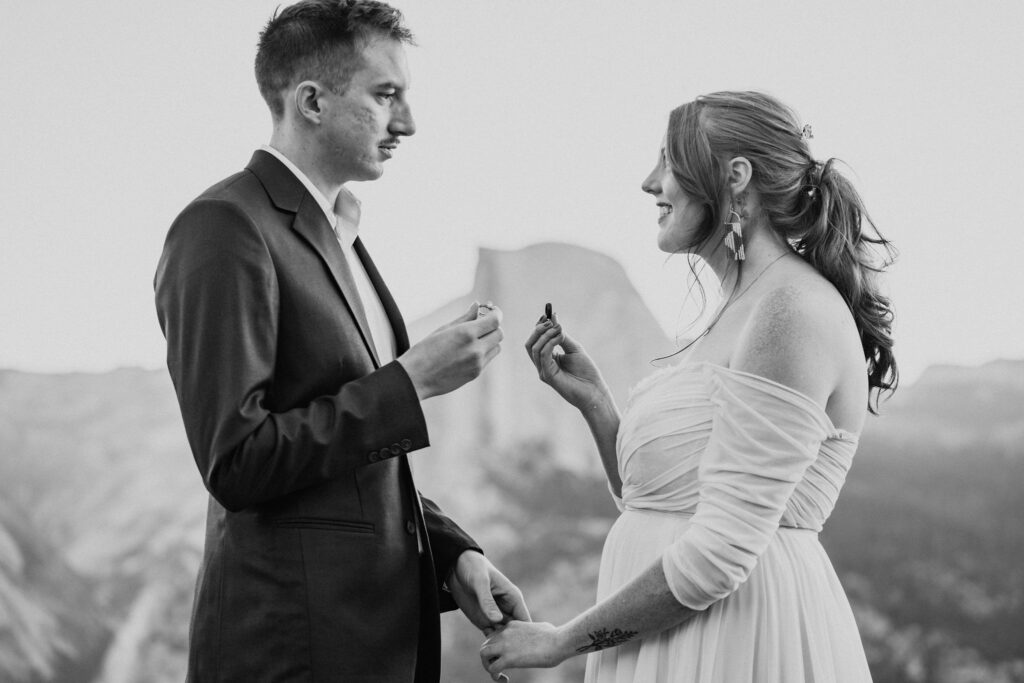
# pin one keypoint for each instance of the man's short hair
(320, 40)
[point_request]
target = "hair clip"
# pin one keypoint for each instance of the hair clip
(806, 133)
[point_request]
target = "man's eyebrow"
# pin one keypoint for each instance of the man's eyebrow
(389, 85)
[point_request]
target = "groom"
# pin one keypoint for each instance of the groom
(299, 390)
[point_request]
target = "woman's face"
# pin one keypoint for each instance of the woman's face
(680, 217)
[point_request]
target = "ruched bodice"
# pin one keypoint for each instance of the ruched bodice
(726, 478)
(668, 420)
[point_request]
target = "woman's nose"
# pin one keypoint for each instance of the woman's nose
(651, 184)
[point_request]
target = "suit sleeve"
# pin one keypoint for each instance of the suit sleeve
(447, 542)
(217, 299)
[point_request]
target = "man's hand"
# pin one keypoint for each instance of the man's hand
(485, 595)
(454, 354)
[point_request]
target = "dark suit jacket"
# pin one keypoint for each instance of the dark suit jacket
(311, 570)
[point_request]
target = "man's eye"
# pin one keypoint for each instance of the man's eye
(387, 96)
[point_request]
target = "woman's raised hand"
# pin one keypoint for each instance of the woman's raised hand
(563, 364)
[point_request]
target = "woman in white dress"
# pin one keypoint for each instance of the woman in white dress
(726, 465)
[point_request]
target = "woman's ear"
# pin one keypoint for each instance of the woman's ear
(740, 172)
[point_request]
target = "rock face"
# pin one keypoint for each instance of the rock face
(508, 408)
(51, 627)
(104, 518)
(102, 509)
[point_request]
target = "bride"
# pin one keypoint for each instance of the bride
(726, 465)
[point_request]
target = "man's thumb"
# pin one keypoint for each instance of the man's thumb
(490, 608)
(470, 313)
(466, 317)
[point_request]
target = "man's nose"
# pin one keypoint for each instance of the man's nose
(402, 123)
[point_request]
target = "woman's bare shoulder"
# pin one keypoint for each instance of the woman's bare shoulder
(799, 334)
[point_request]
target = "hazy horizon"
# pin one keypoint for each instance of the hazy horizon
(536, 122)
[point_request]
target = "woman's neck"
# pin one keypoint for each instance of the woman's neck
(762, 246)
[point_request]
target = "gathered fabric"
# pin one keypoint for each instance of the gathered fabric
(727, 478)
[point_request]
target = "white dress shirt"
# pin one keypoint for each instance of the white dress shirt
(343, 218)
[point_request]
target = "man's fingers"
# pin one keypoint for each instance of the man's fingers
(495, 336)
(487, 323)
(466, 316)
(515, 606)
(510, 598)
(488, 606)
(470, 313)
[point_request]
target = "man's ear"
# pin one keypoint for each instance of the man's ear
(306, 101)
(740, 172)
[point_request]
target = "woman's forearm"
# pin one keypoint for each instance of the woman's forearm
(641, 608)
(603, 419)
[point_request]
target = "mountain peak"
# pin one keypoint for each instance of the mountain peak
(507, 409)
(1006, 373)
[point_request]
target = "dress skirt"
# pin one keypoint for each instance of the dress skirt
(790, 622)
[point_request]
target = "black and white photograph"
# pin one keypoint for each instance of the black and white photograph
(438, 341)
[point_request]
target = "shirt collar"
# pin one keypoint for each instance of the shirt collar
(343, 217)
(348, 210)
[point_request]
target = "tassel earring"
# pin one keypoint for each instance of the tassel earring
(734, 235)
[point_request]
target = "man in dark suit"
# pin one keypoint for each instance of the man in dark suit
(300, 393)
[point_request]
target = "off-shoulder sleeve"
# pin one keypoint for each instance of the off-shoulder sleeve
(763, 438)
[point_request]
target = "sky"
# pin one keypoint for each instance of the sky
(537, 121)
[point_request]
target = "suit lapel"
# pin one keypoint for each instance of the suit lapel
(288, 193)
(390, 307)
(311, 223)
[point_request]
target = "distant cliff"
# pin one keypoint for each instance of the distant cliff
(472, 430)
(104, 519)
(102, 509)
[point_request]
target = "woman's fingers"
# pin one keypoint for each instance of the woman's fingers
(495, 667)
(537, 332)
(491, 661)
(538, 346)
(569, 344)
(547, 351)
(535, 335)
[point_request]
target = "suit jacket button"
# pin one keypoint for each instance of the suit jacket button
(406, 444)
(396, 449)
(410, 527)
(373, 456)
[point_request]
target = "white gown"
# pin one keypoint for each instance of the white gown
(727, 478)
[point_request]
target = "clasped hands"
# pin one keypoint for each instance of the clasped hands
(496, 606)
(450, 357)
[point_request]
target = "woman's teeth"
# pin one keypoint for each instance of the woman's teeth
(664, 210)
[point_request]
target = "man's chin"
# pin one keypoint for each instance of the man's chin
(365, 175)
(372, 172)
